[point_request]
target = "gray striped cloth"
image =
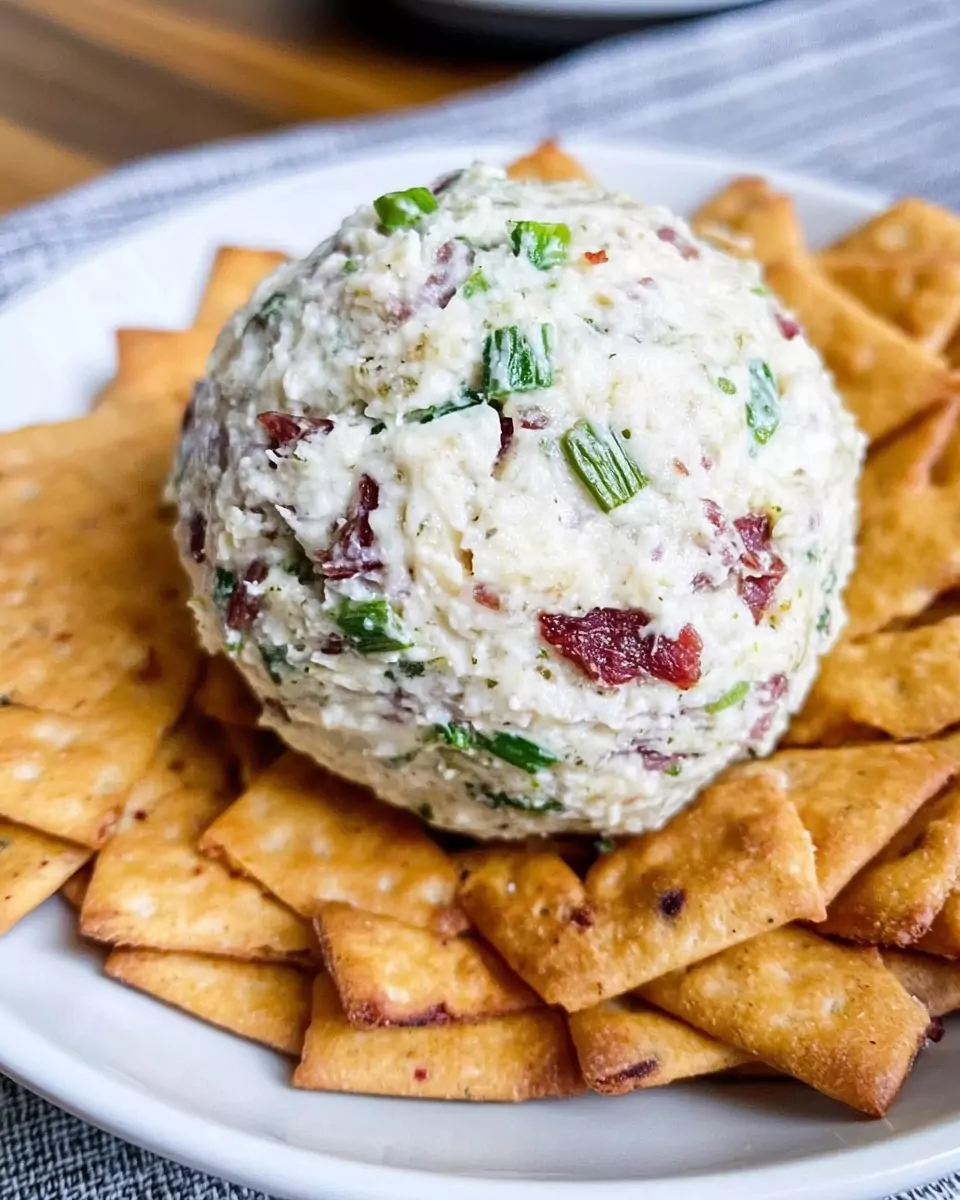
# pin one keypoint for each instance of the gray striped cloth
(862, 91)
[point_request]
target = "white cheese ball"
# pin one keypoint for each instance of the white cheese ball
(520, 505)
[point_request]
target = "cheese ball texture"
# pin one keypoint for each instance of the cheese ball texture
(520, 505)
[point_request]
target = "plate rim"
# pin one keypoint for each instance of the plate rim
(123, 1108)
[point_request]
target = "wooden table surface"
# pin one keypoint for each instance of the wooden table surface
(86, 84)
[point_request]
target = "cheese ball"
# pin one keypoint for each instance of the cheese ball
(520, 505)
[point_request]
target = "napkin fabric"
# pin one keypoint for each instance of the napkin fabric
(858, 91)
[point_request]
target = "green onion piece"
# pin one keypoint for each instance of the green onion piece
(674, 769)
(349, 266)
(271, 307)
(411, 669)
(372, 626)
(223, 584)
(423, 416)
(728, 699)
(426, 811)
(512, 362)
(763, 407)
(545, 245)
(457, 735)
(603, 464)
(823, 621)
(475, 283)
(530, 804)
(518, 751)
(726, 385)
(273, 657)
(401, 210)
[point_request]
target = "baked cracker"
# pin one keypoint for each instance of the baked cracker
(264, 1002)
(885, 378)
(935, 983)
(624, 1044)
(943, 936)
(309, 837)
(388, 973)
(152, 888)
(225, 695)
(235, 273)
(828, 1014)
(894, 899)
(912, 226)
(156, 367)
(32, 867)
(549, 164)
(74, 889)
(903, 464)
(736, 862)
(524, 1056)
(750, 218)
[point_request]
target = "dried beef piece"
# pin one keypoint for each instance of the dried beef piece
(686, 250)
(352, 550)
(244, 605)
(761, 569)
(285, 430)
(610, 646)
(452, 264)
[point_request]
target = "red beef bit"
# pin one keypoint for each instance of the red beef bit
(286, 430)
(640, 1070)
(788, 327)
(334, 644)
(607, 645)
(198, 538)
(486, 596)
(534, 418)
(761, 726)
(506, 439)
(761, 568)
(935, 1030)
(439, 186)
(671, 901)
(453, 262)
(680, 467)
(653, 760)
(596, 256)
(684, 248)
(702, 582)
(421, 1074)
(712, 510)
(244, 605)
(351, 552)
(770, 691)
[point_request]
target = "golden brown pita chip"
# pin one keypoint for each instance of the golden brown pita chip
(70, 777)
(252, 751)
(235, 273)
(625, 1044)
(736, 862)
(885, 378)
(935, 983)
(156, 367)
(911, 226)
(854, 799)
(830, 1015)
(75, 888)
(388, 973)
(152, 888)
(943, 937)
(265, 1002)
(919, 295)
(524, 1056)
(82, 439)
(894, 899)
(32, 867)
(953, 351)
(549, 164)
(903, 464)
(749, 217)
(225, 695)
(905, 683)
(309, 838)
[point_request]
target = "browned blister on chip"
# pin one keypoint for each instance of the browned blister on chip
(736, 862)
(918, 294)
(894, 899)
(524, 1056)
(903, 464)
(624, 1044)
(309, 838)
(225, 695)
(389, 973)
(854, 799)
(885, 378)
(828, 1014)
(933, 981)
(152, 888)
(265, 1002)
(32, 867)
(905, 683)
(749, 217)
(549, 164)
(235, 273)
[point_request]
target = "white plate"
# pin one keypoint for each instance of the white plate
(172, 1084)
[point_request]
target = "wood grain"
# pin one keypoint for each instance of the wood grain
(87, 84)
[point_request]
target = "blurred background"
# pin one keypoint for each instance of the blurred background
(88, 84)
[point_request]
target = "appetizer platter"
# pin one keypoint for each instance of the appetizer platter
(641, 709)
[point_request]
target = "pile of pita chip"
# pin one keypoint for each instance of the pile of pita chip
(801, 918)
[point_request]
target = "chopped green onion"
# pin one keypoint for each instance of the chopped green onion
(273, 306)
(760, 290)
(530, 804)
(377, 427)
(426, 811)
(349, 266)
(423, 416)
(674, 769)
(474, 284)
(411, 669)
(512, 362)
(401, 210)
(603, 464)
(763, 407)
(545, 245)
(457, 735)
(518, 751)
(273, 657)
(223, 584)
(823, 621)
(726, 385)
(372, 626)
(728, 699)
